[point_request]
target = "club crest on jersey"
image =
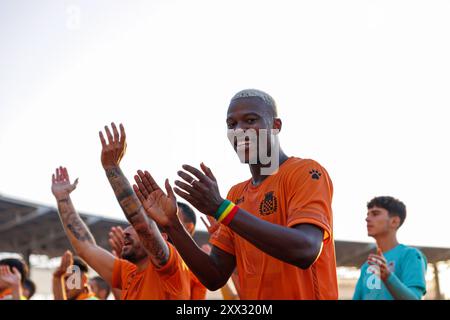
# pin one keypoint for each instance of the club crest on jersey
(269, 205)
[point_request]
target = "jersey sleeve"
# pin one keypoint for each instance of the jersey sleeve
(121, 271)
(414, 270)
(198, 290)
(310, 192)
(174, 274)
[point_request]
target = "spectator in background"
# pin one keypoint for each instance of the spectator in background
(13, 273)
(396, 271)
(29, 288)
(70, 279)
(100, 288)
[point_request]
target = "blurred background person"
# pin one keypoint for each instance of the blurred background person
(100, 287)
(13, 273)
(70, 279)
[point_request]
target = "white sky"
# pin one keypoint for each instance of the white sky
(362, 87)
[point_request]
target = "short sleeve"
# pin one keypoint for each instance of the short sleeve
(223, 238)
(171, 265)
(174, 274)
(310, 192)
(198, 290)
(121, 271)
(414, 270)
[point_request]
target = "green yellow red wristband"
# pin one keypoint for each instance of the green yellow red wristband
(221, 209)
(226, 212)
(226, 221)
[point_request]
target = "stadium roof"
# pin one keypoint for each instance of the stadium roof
(354, 254)
(29, 228)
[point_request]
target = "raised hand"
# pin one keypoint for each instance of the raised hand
(9, 278)
(66, 262)
(160, 207)
(203, 193)
(213, 225)
(114, 150)
(116, 240)
(380, 261)
(61, 186)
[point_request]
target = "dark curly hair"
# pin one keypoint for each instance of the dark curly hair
(394, 207)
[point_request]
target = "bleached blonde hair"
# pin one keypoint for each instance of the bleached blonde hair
(251, 93)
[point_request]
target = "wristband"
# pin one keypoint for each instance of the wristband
(226, 212)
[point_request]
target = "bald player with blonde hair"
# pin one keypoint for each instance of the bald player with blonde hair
(276, 227)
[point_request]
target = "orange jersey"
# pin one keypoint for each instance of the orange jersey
(87, 296)
(198, 290)
(300, 192)
(171, 282)
(7, 294)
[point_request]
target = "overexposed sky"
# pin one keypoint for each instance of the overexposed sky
(363, 87)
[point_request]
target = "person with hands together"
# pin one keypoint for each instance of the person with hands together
(59, 276)
(163, 208)
(149, 267)
(66, 285)
(112, 153)
(275, 228)
(10, 283)
(395, 271)
(161, 273)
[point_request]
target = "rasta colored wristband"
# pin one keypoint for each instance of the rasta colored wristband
(226, 221)
(226, 212)
(221, 209)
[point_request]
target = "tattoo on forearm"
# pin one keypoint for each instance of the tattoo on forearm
(79, 231)
(135, 214)
(124, 194)
(160, 253)
(129, 202)
(161, 256)
(73, 222)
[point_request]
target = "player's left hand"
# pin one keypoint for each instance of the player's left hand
(200, 189)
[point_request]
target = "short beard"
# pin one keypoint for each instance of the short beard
(130, 257)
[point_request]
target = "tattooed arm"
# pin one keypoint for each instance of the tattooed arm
(76, 230)
(146, 228)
